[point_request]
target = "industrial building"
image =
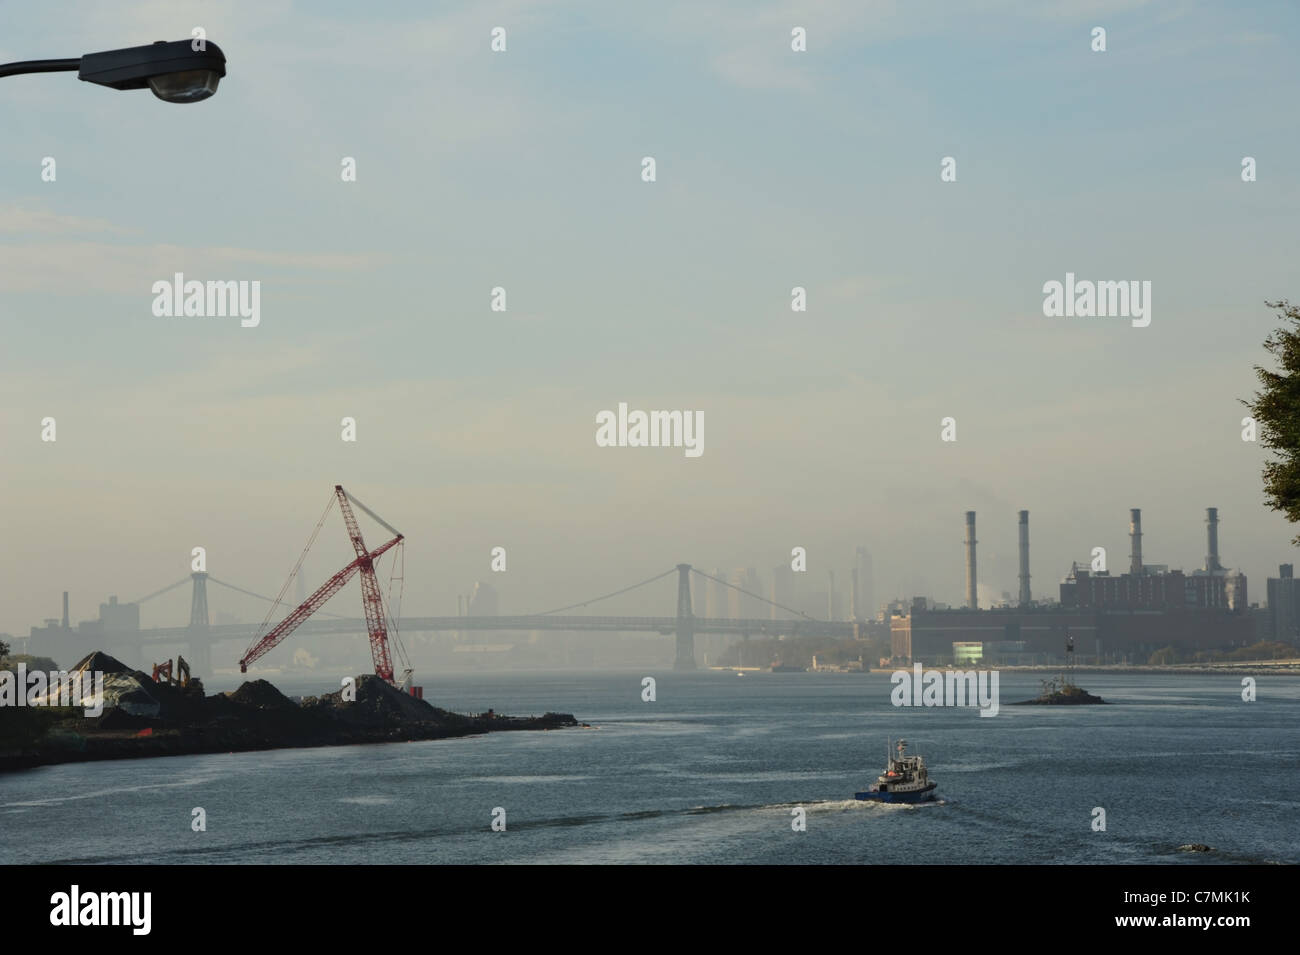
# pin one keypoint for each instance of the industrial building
(1283, 606)
(1155, 587)
(59, 640)
(1120, 618)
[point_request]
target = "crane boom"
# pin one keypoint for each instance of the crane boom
(304, 610)
(370, 595)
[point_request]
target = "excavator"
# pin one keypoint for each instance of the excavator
(162, 672)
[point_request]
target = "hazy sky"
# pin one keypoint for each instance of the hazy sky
(522, 169)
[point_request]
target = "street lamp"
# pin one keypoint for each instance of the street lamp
(175, 71)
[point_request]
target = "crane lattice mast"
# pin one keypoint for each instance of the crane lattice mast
(371, 597)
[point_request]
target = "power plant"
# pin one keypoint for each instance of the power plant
(1125, 617)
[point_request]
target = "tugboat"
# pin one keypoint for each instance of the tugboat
(904, 780)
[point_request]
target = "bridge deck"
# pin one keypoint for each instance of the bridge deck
(663, 625)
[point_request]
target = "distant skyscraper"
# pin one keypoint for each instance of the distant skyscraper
(756, 607)
(715, 596)
(483, 602)
(742, 605)
(737, 579)
(782, 591)
(864, 601)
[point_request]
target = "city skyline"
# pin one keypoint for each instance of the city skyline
(776, 170)
(798, 591)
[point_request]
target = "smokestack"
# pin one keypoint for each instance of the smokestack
(65, 610)
(1135, 536)
(972, 594)
(830, 596)
(1024, 559)
(1212, 539)
(853, 596)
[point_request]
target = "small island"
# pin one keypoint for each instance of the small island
(1061, 692)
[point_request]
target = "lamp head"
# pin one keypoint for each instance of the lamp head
(175, 71)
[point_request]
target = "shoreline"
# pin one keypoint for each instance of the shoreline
(143, 719)
(1257, 668)
(69, 745)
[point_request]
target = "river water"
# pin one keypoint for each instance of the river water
(710, 772)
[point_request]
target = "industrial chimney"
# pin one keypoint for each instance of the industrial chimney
(1135, 536)
(1212, 540)
(66, 624)
(972, 594)
(1024, 559)
(854, 609)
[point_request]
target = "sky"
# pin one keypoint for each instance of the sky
(522, 170)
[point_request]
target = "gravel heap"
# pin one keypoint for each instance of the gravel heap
(379, 703)
(261, 694)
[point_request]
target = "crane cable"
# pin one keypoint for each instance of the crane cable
(393, 616)
(261, 631)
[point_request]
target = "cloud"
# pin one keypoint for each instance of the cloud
(28, 219)
(106, 267)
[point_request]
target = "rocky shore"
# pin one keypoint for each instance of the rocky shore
(257, 716)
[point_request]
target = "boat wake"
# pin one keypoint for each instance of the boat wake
(867, 805)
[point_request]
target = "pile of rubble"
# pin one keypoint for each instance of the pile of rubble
(380, 704)
(127, 692)
(262, 695)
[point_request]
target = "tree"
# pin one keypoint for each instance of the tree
(1276, 410)
(4, 649)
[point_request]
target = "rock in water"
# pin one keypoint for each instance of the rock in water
(1066, 695)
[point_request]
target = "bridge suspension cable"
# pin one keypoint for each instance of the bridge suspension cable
(593, 600)
(724, 583)
(271, 599)
(159, 593)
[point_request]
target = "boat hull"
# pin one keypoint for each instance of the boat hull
(913, 796)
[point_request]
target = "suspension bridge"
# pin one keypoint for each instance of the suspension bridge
(200, 636)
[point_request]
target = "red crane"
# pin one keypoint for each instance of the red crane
(371, 598)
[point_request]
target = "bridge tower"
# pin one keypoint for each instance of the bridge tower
(685, 621)
(200, 642)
